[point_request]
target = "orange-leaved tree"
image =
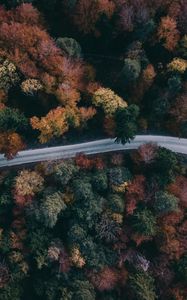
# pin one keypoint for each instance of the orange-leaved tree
(168, 33)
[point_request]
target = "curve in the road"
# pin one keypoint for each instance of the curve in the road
(100, 146)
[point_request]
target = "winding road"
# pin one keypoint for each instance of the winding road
(100, 146)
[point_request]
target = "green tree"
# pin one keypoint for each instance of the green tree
(65, 171)
(131, 69)
(70, 47)
(100, 181)
(165, 166)
(83, 290)
(82, 189)
(116, 203)
(13, 120)
(142, 286)
(51, 208)
(88, 211)
(181, 268)
(119, 175)
(165, 203)
(144, 222)
(126, 123)
(76, 234)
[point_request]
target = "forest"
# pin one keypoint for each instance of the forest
(91, 69)
(105, 227)
(98, 227)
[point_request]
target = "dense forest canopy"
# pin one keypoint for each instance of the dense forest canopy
(91, 68)
(106, 227)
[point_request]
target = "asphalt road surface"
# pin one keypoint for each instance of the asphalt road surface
(100, 146)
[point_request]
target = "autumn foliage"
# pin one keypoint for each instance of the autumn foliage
(168, 32)
(101, 225)
(10, 144)
(98, 68)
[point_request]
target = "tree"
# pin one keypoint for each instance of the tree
(165, 203)
(92, 11)
(31, 86)
(181, 267)
(108, 100)
(119, 175)
(142, 286)
(8, 75)
(83, 162)
(100, 181)
(126, 126)
(10, 144)
(53, 125)
(109, 126)
(107, 229)
(174, 84)
(126, 18)
(116, 203)
(27, 184)
(104, 280)
(182, 49)
(27, 45)
(170, 242)
(14, 3)
(117, 159)
(76, 234)
(179, 189)
(165, 166)
(4, 275)
(6, 183)
(168, 33)
(77, 259)
(135, 193)
(70, 47)
(131, 69)
(178, 111)
(88, 211)
(82, 190)
(12, 119)
(144, 222)
(177, 65)
(145, 154)
(65, 171)
(83, 290)
(51, 208)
